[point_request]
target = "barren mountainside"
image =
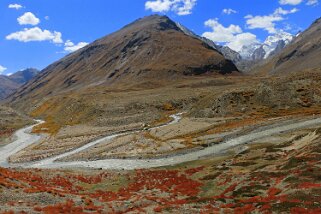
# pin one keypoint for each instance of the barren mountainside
(150, 49)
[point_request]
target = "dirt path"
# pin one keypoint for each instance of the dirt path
(24, 139)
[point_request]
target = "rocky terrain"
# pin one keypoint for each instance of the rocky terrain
(269, 96)
(10, 84)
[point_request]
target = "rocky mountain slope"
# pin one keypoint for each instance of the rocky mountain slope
(150, 49)
(9, 84)
(302, 54)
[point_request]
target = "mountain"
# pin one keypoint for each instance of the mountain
(153, 48)
(279, 47)
(249, 55)
(192, 34)
(230, 54)
(271, 46)
(258, 54)
(253, 54)
(227, 52)
(9, 84)
(303, 53)
(275, 43)
(24, 76)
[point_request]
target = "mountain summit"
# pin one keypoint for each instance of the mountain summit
(152, 48)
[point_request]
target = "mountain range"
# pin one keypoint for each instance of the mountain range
(271, 46)
(302, 54)
(251, 54)
(156, 46)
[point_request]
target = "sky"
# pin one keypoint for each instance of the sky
(37, 33)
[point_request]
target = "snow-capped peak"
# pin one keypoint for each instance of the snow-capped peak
(271, 45)
(273, 41)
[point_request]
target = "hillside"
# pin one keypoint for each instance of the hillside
(150, 49)
(302, 54)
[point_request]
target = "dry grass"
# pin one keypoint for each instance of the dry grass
(49, 127)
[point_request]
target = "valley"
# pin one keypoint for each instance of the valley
(219, 148)
(264, 159)
(155, 119)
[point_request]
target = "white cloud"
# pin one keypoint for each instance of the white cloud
(47, 18)
(268, 22)
(242, 39)
(28, 19)
(280, 11)
(312, 2)
(290, 2)
(229, 11)
(71, 47)
(15, 6)
(180, 7)
(2, 69)
(159, 5)
(263, 22)
(9, 74)
(36, 34)
(231, 36)
(220, 33)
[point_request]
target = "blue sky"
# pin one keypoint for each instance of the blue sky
(36, 33)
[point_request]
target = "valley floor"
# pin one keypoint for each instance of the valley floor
(278, 174)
